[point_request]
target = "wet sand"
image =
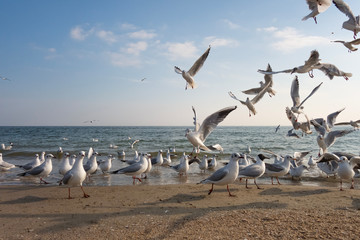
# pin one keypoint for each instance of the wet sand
(179, 212)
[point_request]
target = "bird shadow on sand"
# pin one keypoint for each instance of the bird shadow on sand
(299, 193)
(26, 199)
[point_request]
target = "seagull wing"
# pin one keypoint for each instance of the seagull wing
(234, 97)
(354, 161)
(253, 91)
(197, 125)
(313, 59)
(355, 42)
(318, 127)
(210, 123)
(276, 72)
(312, 92)
(218, 175)
(68, 175)
(327, 157)
(177, 70)
(294, 92)
(344, 8)
(331, 118)
(331, 136)
(199, 63)
(260, 94)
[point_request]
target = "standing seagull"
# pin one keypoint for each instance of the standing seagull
(188, 76)
(105, 165)
(65, 164)
(308, 67)
(295, 96)
(36, 162)
(42, 170)
(316, 7)
(250, 103)
(254, 171)
(225, 175)
(183, 166)
(198, 137)
(135, 169)
(346, 167)
(4, 166)
(76, 176)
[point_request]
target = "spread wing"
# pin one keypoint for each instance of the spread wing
(331, 136)
(312, 92)
(253, 91)
(197, 125)
(331, 118)
(344, 8)
(199, 63)
(260, 94)
(276, 72)
(210, 123)
(313, 59)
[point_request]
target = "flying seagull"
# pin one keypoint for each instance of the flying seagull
(188, 76)
(268, 79)
(198, 137)
(349, 45)
(316, 7)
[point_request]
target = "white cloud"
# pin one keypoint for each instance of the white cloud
(181, 50)
(78, 33)
(220, 42)
(230, 24)
(106, 36)
(142, 34)
(135, 48)
(289, 39)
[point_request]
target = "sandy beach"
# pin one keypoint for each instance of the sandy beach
(179, 212)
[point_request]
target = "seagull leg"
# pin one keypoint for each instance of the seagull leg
(311, 73)
(278, 180)
(85, 195)
(341, 188)
(42, 180)
(133, 180)
(346, 78)
(315, 20)
(272, 181)
(352, 184)
(230, 195)
(246, 184)
(69, 197)
(212, 188)
(256, 184)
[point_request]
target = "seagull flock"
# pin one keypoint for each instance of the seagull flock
(240, 166)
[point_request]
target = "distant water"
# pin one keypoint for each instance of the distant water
(31, 140)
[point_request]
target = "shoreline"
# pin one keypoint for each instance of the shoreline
(179, 211)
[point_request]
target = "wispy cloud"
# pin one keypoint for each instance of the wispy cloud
(106, 36)
(230, 24)
(289, 39)
(180, 50)
(79, 33)
(220, 42)
(135, 48)
(142, 34)
(123, 60)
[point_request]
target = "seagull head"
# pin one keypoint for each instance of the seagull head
(82, 154)
(235, 156)
(187, 131)
(262, 157)
(294, 70)
(343, 159)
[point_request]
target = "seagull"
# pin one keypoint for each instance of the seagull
(277, 128)
(321, 125)
(76, 175)
(183, 166)
(4, 166)
(354, 124)
(327, 141)
(65, 164)
(295, 96)
(105, 165)
(134, 169)
(36, 162)
(213, 163)
(349, 45)
(167, 159)
(90, 121)
(303, 126)
(158, 161)
(306, 68)
(254, 171)
(346, 167)
(316, 7)
(353, 23)
(7, 148)
(149, 167)
(42, 170)
(5, 78)
(121, 155)
(91, 165)
(188, 76)
(250, 103)
(278, 170)
(225, 175)
(332, 71)
(203, 165)
(268, 79)
(297, 172)
(198, 137)
(216, 147)
(133, 143)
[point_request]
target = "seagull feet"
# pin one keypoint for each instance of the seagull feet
(43, 181)
(86, 195)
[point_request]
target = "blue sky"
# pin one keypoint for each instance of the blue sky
(73, 61)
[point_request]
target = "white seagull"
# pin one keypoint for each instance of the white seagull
(308, 67)
(42, 170)
(278, 170)
(36, 162)
(76, 176)
(349, 45)
(4, 166)
(188, 76)
(183, 166)
(225, 175)
(353, 23)
(250, 104)
(316, 7)
(354, 124)
(167, 159)
(213, 163)
(158, 161)
(203, 165)
(198, 137)
(65, 164)
(106, 164)
(7, 148)
(254, 171)
(325, 125)
(91, 165)
(346, 167)
(332, 71)
(268, 79)
(134, 169)
(327, 141)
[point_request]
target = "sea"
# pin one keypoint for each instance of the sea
(28, 141)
